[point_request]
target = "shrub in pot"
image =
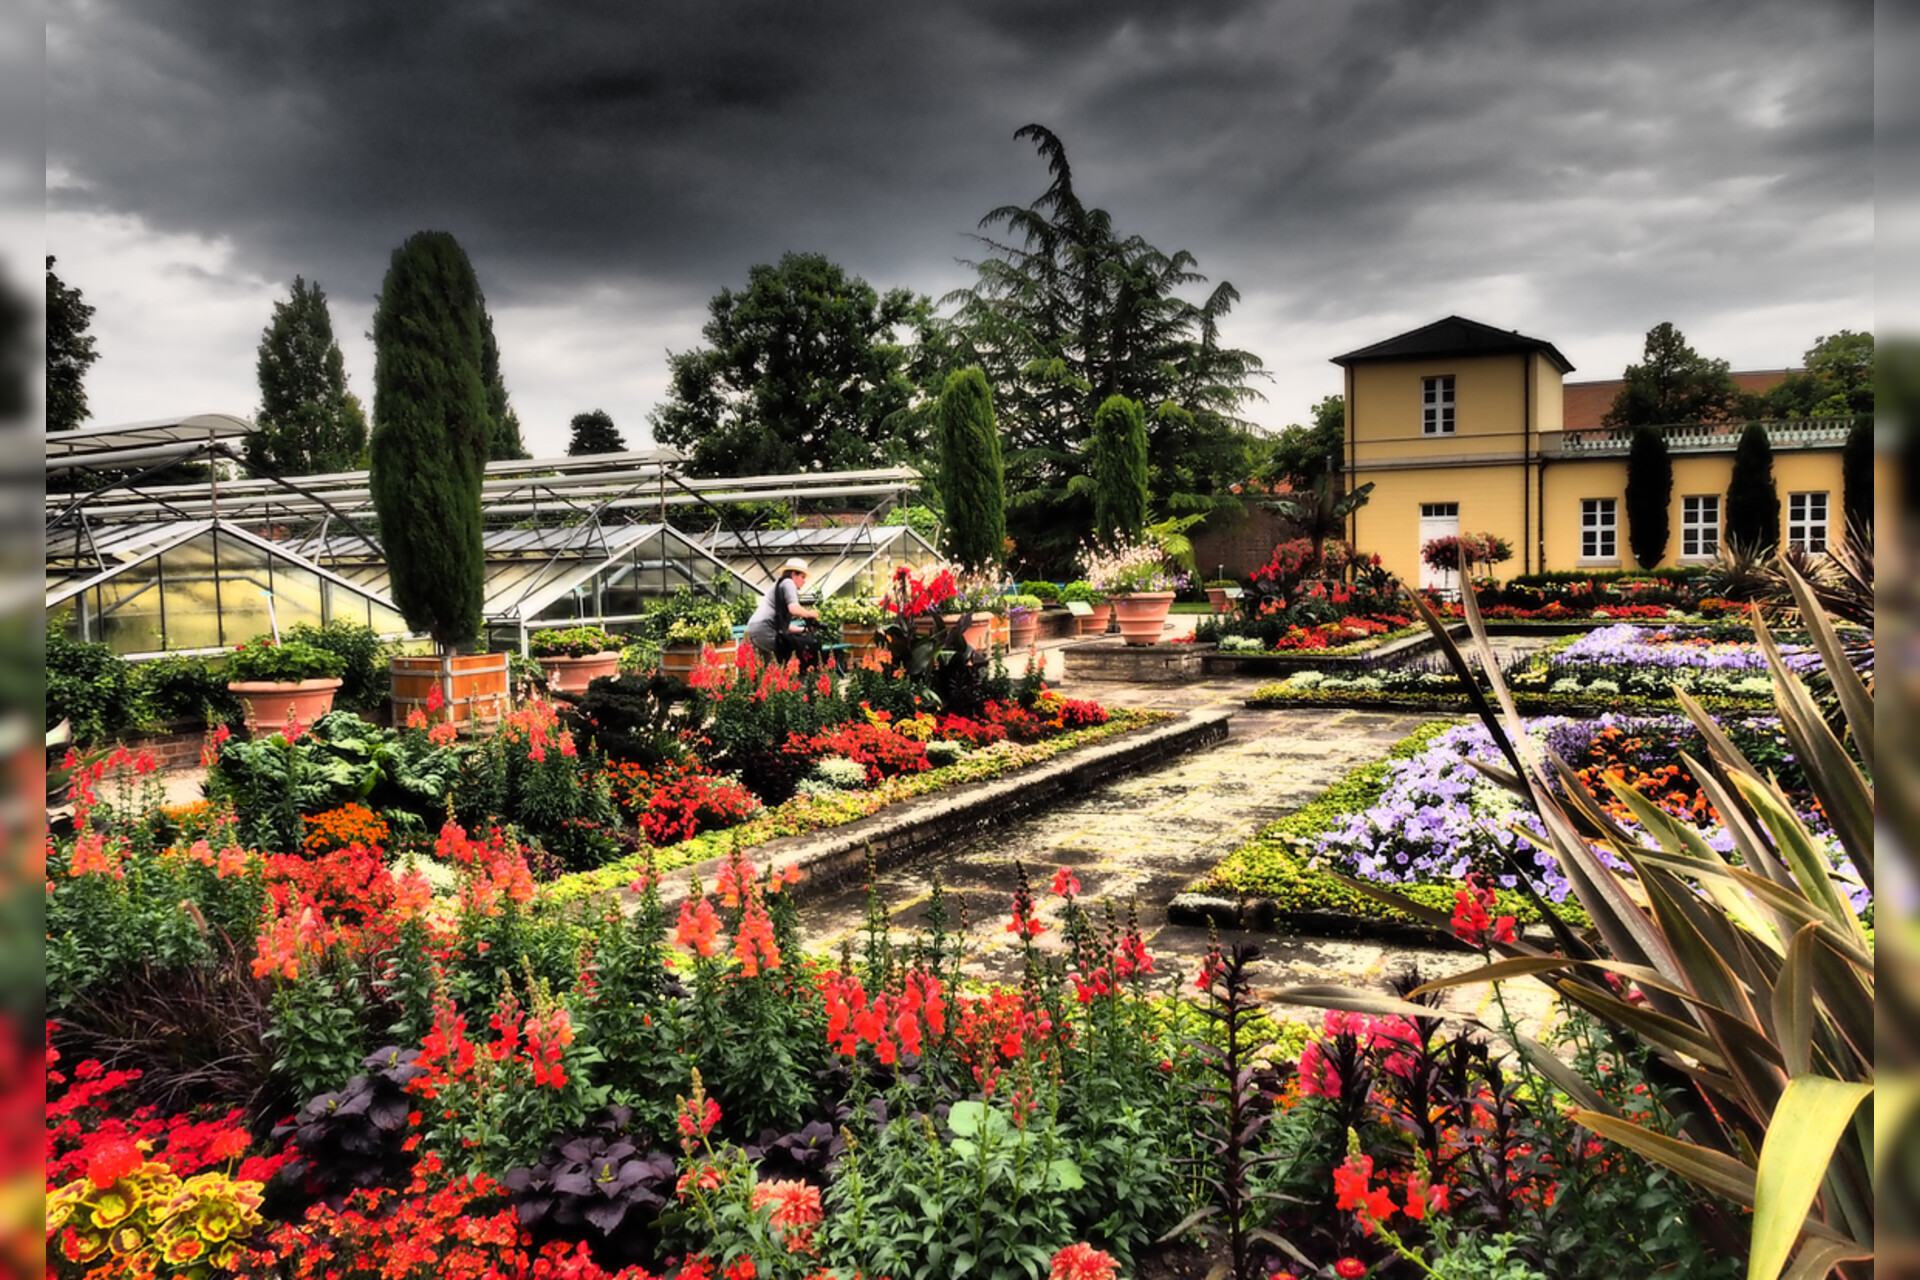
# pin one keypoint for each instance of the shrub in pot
(276, 682)
(575, 657)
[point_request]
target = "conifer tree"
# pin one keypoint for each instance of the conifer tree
(504, 442)
(70, 353)
(1753, 504)
(972, 479)
(594, 432)
(1856, 475)
(1649, 495)
(1119, 469)
(431, 436)
(308, 421)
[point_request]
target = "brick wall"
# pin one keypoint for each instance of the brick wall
(1242, 546)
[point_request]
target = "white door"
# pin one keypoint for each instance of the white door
(1438, 520)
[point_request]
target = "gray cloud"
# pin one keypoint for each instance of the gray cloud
(1595, 166)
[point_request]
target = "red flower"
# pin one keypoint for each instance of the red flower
(1081, 1261)
(1350, 1268)
(1065, 885)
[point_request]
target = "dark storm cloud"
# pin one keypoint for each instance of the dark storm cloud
(1626, 161)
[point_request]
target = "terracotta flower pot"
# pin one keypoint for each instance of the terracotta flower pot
(1095, 623)
(268, 704)
(977, 629)
(1001, 630)
(573, 675)
(1143, 615)
(1217, 597)
(479, 683)
(1020, 634)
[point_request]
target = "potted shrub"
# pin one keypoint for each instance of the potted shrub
(432, 434)
(1023, 620)
(1136, 578)
(276, 681)
(1091, 624)
(858, 622)
(575, 657)
(1217, 594)
(688, 640)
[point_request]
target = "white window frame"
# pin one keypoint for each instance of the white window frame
(1439, 510)
(1600, 530)
(1808, 514)
(1436, 405)
(1699, 526)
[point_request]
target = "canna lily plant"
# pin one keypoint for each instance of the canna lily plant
(1751, 981)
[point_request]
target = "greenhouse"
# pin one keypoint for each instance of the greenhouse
(142, 562)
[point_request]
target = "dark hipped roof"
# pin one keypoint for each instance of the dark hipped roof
(1455, 336)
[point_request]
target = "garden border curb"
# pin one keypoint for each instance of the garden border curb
(831, 859)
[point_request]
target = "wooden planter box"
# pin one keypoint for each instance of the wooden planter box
(478, 686)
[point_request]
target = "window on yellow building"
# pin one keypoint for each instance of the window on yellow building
(1807, 521)
(1599, 529)
(1700, 526)
(1436, 406)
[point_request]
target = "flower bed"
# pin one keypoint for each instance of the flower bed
(1423, 819)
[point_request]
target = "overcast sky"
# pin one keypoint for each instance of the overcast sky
(1578, 170)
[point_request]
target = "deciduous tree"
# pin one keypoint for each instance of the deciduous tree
(972, 482)
(308, 421)
(1836, 380)
(804, 371)
(594, 432)
(1673, 383)
(70, 353)
(432, 434)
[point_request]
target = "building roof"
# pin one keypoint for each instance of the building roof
(1455, 336)
(1585, 403)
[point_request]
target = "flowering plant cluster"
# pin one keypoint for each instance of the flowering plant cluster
(344, 827)
(1125, 566)
(270, 661)
(914, 592)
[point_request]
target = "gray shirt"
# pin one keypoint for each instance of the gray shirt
(760, 625)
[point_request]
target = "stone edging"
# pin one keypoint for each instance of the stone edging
(838, 856)
(1266, 915)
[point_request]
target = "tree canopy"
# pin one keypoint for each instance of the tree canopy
(803, 371)
(1301, 455)
(594, 432)
(1835, 381)
(1067, 312)
(432, 433)
(70, 353)
(503, 438)
(1673, 383)
(309, 423)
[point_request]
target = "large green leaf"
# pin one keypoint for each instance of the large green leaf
(1809, 1120)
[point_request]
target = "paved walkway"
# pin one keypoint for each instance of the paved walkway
(1147, 836)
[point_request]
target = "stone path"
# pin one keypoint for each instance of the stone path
(1149, 835)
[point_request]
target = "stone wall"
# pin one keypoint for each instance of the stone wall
(1242, 546)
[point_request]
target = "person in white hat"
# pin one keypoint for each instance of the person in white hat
(770, 629)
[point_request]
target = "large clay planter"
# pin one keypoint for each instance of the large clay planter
(573, 675)
(1020, 634)
(1095, 623)
(269, 704)
(1001, 630)
(976, 627)
(1217, 597)
(479, 683)
(1143, 615)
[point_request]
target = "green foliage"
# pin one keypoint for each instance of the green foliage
(972, 480)
(261, 660)
(1066, 312)
(802, 372)
(924, 521)
(1753, 503)
(594, 432)
(571, 642)
(1856, 474)
(308, 422)
(1673, 383)
(366, 675)
(1835, 382)
(1649, 494)
(1119, 464)
(1045, 592)
(181, 688)
(1302, 455)
(88, 685)
(433, 433)
(503, 436)
(70, 353)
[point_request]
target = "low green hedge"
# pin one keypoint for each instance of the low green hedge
(1271, 867)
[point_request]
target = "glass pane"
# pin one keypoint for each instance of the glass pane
(129, 611)
(296, 595)
(244, 582)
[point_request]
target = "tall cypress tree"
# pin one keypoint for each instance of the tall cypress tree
(1753, 504)
(1856, 475)
(972, 478)
(1649, 495)
(432, 431)
(1119, 469)
(504, 441)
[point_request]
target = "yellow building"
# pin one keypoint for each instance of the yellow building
(1462, 428)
